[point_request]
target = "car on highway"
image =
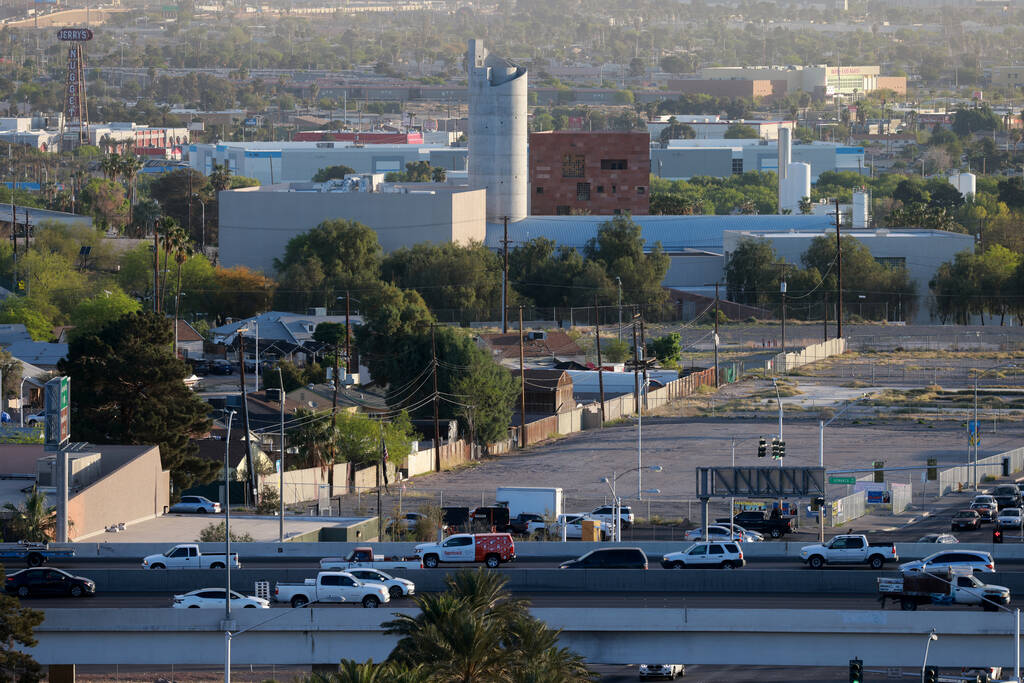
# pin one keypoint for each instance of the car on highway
(365, 558)
(965, 519)
(330, 587)
(763, 522)
(663, 671)
(945, 560)
(727, 555)
(938, 538)
(1009, 518)
(196, 504)
(188, 556)
(398, 588)
(490, 549)
(986, 506)
(1007, 496)
(849, 549)
(609, 558)
(214, 598)
(42, 581)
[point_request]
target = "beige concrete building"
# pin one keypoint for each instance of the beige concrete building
(818, 79)
(256, 223)
(1007, 76)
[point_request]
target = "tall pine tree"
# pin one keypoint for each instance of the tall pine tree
(127, 388)
(16, 625)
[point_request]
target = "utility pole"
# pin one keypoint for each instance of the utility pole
(156, 268)
(380, 465)
(643, 358)
(636, 372)
(437, 424)
(600, 370)
(504, 283)
(824, 315)
(782, 290)
(250, 470)
(348, 332)
(839, 277)
(280, 469)
(522, 384)
(716, 335)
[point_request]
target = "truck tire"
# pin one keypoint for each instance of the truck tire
(217, 565)
(35, 559)
(300, 601)
(876, 561)
(908, 605)
(492, 561)
(156, 566)
(430, 561)
(775, 533)
(816, 562)
(371, 601)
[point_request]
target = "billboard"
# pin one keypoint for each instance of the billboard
(74, 34)
(57, 395)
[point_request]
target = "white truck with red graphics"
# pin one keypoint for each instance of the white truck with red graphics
(490, 549)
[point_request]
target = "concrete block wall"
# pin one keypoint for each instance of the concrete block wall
(784, 362)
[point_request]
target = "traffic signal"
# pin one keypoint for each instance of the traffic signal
(782, 449)
(817, 503)
(762, 448)
(931, 675)
(775, 448)
(997, 535)
(857, 671)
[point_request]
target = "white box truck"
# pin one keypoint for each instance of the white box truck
(546, 502)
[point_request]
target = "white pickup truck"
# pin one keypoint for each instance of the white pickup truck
(332, 587)
(187, 556)
(955, 587)
(364, 557)
(849, 549)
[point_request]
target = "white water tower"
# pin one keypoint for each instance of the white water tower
(965, 183)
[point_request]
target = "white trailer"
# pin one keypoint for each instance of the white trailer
(546, 502)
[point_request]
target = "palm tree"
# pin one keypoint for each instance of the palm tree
(178, 244)
(314, 436)
(128, 168)
(34, 521)
(220, 177)
(110, 165)
(358, 672)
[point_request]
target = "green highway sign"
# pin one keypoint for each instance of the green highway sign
(842, 480)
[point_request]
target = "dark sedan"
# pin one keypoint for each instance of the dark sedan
(966, 519)
(43, 581)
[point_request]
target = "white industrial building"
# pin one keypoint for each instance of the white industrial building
(298, 162)
(497, 133)
(256, 223)
(713, 126)
(920, 251)
(685, 159)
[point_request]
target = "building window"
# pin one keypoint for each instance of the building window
(562, 211)
(572, 165)
(737, 166)
(540, 190)
(617, 212)
(583, 192)
(613, 189)
(641, 190)
(600, 189)
(613, 164)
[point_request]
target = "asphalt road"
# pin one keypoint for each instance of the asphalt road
(631, 600)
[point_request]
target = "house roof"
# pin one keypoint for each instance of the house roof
(321, 397)
(43, 354)
(187, 333)
(555, 343)
(13, 332)
(276, 326)
(544, 380)
(212, 447)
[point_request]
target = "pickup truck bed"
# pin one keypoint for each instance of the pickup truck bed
(34, 554)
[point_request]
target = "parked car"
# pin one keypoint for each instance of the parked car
(196, 504)
(938, 538)
(1007, 496)
(986, 506)
(330, 587)
(726, 555)
(40, 581)
(364, 558)
(491, 549)
(606, 514)
(762, 522)
(187, 556)
(609, 558)
(406, 522)
(520, 524)
(214, 598)
(398, 588)
(966, 519)
(571, 522)
(1009, 517)
(748, 536)
(716, 532)
(669, 671)
(221, 367)
(850, 549)
(35, 419)
(944, 560)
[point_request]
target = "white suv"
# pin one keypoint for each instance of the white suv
(573, 523)
(606, 514)
(727, 555)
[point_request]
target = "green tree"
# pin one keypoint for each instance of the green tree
(614, 350)
(666, 349)
(315, 437)
(174, 191)
(16, 635)
(486, 398)
(38, 320)
(676, 131)
(136, 394)
(740, 130)
(620, 250)
(216, 532)
(91, 315)
(33, 521)
(332, 173)
(750, 273)
(321, 264)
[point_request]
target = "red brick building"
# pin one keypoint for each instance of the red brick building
(598, 173)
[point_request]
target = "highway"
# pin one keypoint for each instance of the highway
(611, 600)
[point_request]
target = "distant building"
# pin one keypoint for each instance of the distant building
(819, 80)
(1007, 77)
(599, 173)
(684, 159)
(537, 345)
(732, 87)
(256, 223)
(548, 392)
(713, 126)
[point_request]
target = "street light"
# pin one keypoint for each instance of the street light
(21, 400)
(227, 532)
(229, 634)
(203, 231)
(821, 457)
(928, 643)
(778, 400)
(618, 281)
(977, 425)
(617, 503)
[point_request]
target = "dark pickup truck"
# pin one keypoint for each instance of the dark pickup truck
(754, 520)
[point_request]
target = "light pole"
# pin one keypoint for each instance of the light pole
(227, 537)
(617, 503)
(778, 400)
(640, 428)
(618, 281)
(928, 643)
(977, 426)
(203, 227)
(228, 634)
(21, 400)
(821, 458)
(732, 499)
(280, 472)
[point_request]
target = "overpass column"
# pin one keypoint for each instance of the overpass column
(704, 516)
(61, 673)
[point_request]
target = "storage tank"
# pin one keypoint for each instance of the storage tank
(795, 186)
(860, 210)
(965, 183)
(785, 156)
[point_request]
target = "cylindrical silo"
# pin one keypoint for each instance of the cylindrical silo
(497, 133)
(796, 186)
(860, 210)
(785, 156)
(966, 183)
